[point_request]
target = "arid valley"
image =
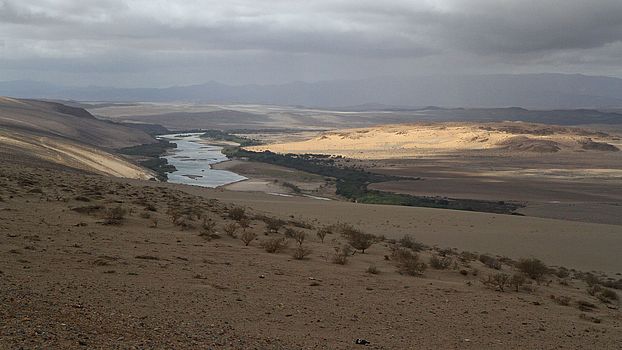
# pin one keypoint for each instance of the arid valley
(497, 234)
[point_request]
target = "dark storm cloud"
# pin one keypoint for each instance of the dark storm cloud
(321, 37)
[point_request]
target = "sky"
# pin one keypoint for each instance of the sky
(158, 43)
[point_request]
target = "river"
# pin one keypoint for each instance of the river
(193, 158)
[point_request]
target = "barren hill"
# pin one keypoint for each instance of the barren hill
(66, 136)
(423, 139)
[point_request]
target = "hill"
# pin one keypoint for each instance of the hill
(39, 131)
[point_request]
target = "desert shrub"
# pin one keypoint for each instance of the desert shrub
(341, 254)
(322, 232)
(533, 268)
(231, 229)
(299, 237)
(518, 280)
(154, 222)
(275, 245)
(247, 237)
(408, 242)
(145, 215)
(490, 261)
(562, 272)
(408, 262)
(603, 294)
(497, 281)
(372, 269)
(273, 224)
(301, 252)
(208, 228)
(115, 215)
(151, 207)
(361, 241)
(184, 222)
(237, 213)
(244, 223)
(440, 262)
(561, 300)
(466, 257)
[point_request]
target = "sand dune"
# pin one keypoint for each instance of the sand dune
(425, 139)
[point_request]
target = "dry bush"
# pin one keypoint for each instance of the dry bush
(184, 222)
(440, 262)
(145, 215)
(231, 229)
(237, 213)
(603, 294)
(154, 222)
(372, 269)
(408, 262)
(151, 207)
(518, 280)
(361, 241)
(244, 223)
(561, 300)
(322, 232)
(301, 252)
(408, 242)
(208, 229)
(115, 215)
(341, 254)
(490, 261)
(496, 281)
(275, 245)
(272, 224)
(247, 237)
(467, 257)
(299, 237)
(533, 268)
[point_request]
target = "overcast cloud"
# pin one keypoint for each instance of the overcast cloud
(159, 43)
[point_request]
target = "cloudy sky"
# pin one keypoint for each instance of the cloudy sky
(179, 42)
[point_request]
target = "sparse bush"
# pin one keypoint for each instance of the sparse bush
(184, 222)
(361, 241)
(273, 225)
(408, 242)
(300, 237)
(518, 280)
(151, 207)
(440, 262)
(341, 254)
(231, 229)
(208, 229)
(373, 270)
(275, 245)
(237, 213)
(247, 237)
(145, 215)
(301, 252)
(497, 281)
(490, 261)
(115, 215)
(322, 232)
(561, 300)
(466, 257)
(603, 294)
(533, 268)
(244, 223)
(154, 222)
(562, 272)
(408, 262)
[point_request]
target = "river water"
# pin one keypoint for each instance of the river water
(193, 158)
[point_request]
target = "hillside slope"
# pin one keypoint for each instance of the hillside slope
(68, 137)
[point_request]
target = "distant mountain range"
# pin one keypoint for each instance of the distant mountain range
(534, 91)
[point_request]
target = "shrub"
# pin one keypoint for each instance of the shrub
(322, 232)
(275, 245)
(562, 272)
(408, 262)
(114, 216)
(361, 241)
(561, 300)
(237, 213)
(231, 229)
(301, 252)
(603, 294)
(518, 280)
(247, 237)
(373, 270)
(341, 254)
(154, 223)
(533, 268)
(208, 228)
(184, 222)
(497, 280)
(300, 237)
(490, 261)
(273, 224)
(408, 242)
(440, 262)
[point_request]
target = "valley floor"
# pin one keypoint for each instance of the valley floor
(69, 280)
